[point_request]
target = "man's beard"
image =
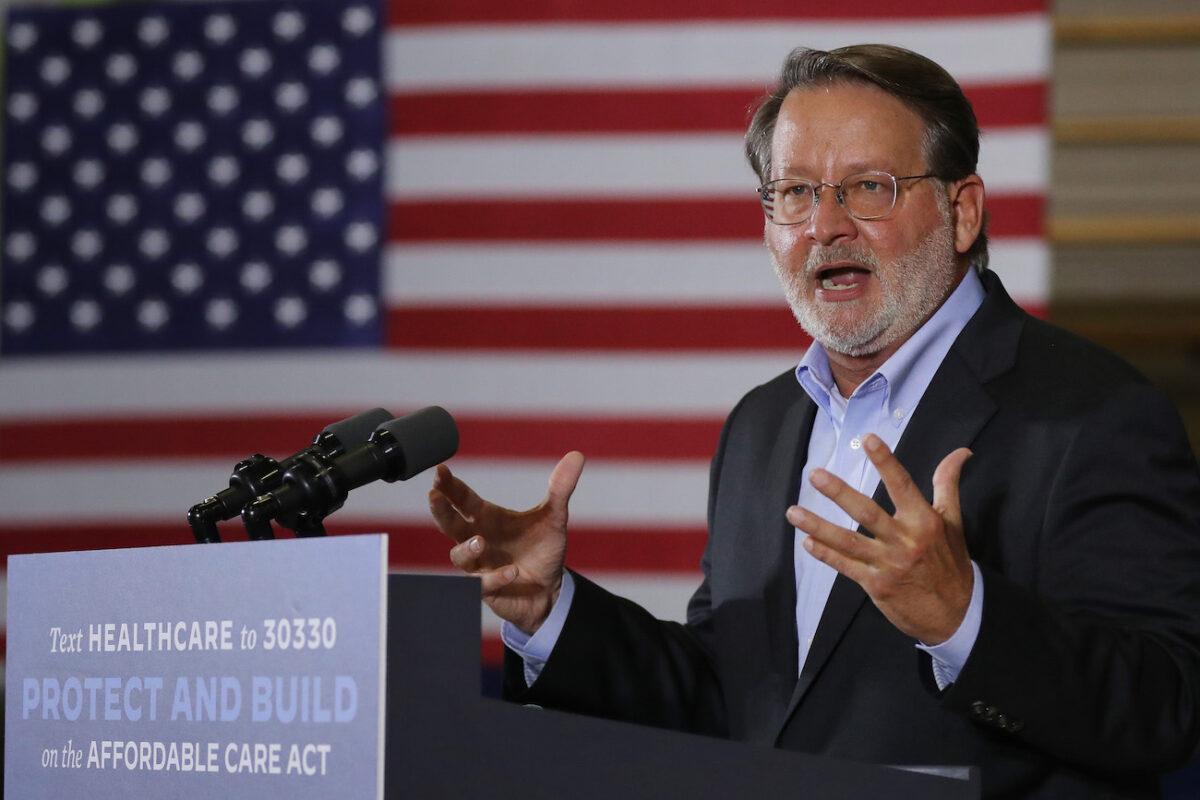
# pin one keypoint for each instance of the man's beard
(911, 289)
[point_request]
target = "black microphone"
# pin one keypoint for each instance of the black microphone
(314, 488)
(259, 474)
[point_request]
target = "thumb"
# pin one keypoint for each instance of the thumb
(945, 486)
(563, 479)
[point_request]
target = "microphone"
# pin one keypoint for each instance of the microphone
(314, 488)
(259, 474)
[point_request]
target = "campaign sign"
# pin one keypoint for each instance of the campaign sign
(237, 670)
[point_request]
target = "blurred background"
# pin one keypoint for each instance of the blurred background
(228, 224)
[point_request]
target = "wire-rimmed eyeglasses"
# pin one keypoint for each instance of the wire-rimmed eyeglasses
(864, 195)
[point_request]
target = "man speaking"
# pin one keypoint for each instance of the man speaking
(954, 534)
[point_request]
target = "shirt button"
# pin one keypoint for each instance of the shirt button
(855, 443)
(898, 413)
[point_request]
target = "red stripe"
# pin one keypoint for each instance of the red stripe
(442, 12)
(646, 110)
(410, 546)
(592, 328)
(235, 437)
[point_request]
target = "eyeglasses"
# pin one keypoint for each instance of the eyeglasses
(866, 195)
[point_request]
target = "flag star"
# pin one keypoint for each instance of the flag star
(357, 20)
(359, 309)
(291, 96)
(258, 204)
(87, 244)
(290, 311)
(219, 28)
(291, 239)
(360, 92)
(287, 25)
(52, 279)
(85, 314)
(258, 133)
(54, 70)
(326, 130)
(56, 209)
(221, 242)
(119, 279)
(22, 36)
(326, 202)
(324, 274)
(362, 164)
(22, 106)
(121, 208)
(223, 170)
(361, 236)
(87, 32)
(154, 243)
(156, 172)
(220, 313)
(153, 313)
(56, 139)
(122, 137)
(88, 103)
(222, 99)
(190, 206)
(189, 136)
(22, 176)
(88, 173)
(187, 65)
(255, 62)
(19, 315)
(255, 276)
(324, 58)
(155, 101)
(186, 278)
(120, 67)
(153, 31)
(291, 167)
(20, 246)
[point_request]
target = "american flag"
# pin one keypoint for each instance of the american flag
(536, 214)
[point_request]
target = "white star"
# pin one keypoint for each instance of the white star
(187, 65)
(359, 308)
(120, 67)
(88, 103)
(22, 36)
(88, 173)
(324, 274)
(122, 137)
(155, 101)
(153, 31)
(190, 206)
(87, 32)
(323, 59)
(20, 246)
(362, 164)
(291, 167)
(153, 313)
(257, 133)
(154, 243)
(223, 170)
(220, 313)
(22, 106)
(291, 96)
(255, 62)
(221, 242)
(19, 315)
(55, 69)
(186, 278)
(156, 172)
(121, 208)
(85, 314)
(119, 279)
(56, 209)
(56, 139)
(326, 202)
(291, 239)
(255, 277)
(22, 176)
(326, 130)
(189, 136)
(290, 311)
(360, 92)
(219, 28)
(357, 20)
(361, 236)
(258, 204)
(287, 25)
(87, 244)
(52, 279)
(222, 99)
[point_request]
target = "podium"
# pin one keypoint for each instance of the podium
(444, 739)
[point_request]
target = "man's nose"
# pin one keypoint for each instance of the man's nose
(830, 222)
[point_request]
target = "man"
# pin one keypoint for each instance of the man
(1034, 611)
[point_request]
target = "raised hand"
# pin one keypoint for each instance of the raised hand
(916, 570)
(518, 555)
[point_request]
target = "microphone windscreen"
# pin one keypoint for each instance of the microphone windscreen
(355, 430)
(426, 438)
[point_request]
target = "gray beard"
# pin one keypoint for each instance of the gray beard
(912, 288)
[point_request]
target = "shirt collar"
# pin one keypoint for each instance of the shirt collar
(905, 376)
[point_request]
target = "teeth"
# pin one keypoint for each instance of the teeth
(827, 283)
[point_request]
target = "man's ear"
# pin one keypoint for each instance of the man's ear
(966, 209)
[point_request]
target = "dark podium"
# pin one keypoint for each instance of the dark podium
(444, 740)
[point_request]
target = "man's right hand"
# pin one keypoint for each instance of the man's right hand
(518, 555)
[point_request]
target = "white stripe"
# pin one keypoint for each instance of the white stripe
(610, 493)
(1001, 48)
(469, 168)
(154, 385)
(630, 275)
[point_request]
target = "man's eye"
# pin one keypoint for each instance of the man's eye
(869, 186)
(797, 190)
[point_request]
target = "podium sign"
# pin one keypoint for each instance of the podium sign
(240, 670)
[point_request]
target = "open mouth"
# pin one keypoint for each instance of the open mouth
(842, 277)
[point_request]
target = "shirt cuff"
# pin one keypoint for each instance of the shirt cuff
(535, 650)
(950, 656)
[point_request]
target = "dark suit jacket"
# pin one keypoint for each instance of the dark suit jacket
(1081, 507)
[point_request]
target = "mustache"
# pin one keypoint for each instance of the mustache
(821, 255)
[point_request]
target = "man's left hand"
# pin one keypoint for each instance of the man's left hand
(916, 570)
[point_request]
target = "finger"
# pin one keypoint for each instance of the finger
(856, 571)
(466, 555)
(448, 520)
(494, 580)
(945, 486)
(862, 509)
(900, 486)
(463, 497)
(563, 480)
(852, 545)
